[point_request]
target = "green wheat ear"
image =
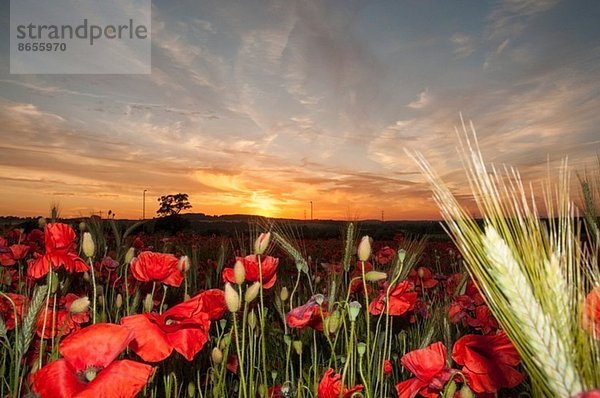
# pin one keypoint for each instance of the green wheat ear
(30, 318)
(534, 274)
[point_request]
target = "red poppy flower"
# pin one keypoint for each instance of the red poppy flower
(387, 367)
(157, 267)
(88, 368)
(460, 308)
(483, 321)
(331, 386)
(59, 242)
(488, 362)
(7, 311)
(591, 313)
(402, 299)
(183, 328)
(430, 370)
(269, 267)
(308, 315)
(588, 394)
(422, 277)
(19, 251)
(385, 255)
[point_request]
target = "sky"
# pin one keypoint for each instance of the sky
(261, 107)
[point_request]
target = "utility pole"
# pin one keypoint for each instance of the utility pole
(144, 205)
(311, 210)
(381, 215)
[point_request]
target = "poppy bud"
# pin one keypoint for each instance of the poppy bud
(80, 305)
(119, 301)
(421, 272)
(287, 339)
(451, 388)
(217, 355)
(232, 299)
(191, 389)
(261, 243)
(186, 297)
(148, 303)
(129, 255)
(183, 264)
(86, 276)
(101, 300)
(42, 222)
(88, 245)
(353, 310)
(54, 283)
(466, 392)
(252, 292)
(297, 344)
(284, 294)
(375, 276)
(252, 320)
(333, 321)
(82, 226)
(239, 272)
(364, 248)
(262, 391)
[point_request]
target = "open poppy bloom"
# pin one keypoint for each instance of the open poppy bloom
(488, 362)
(430, 370)
(59, 242)
(157, 267)
(183, 328)
(88, 368)
(7, 311)
(402, 299)
(269, 267)
(310, 314)
(331, 386)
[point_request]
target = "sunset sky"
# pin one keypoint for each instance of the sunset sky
(263, 106)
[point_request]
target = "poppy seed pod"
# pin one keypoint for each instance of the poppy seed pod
(261, 243)
(239, 272)
(353, 310)
(364, 248)
(88, 245)
(232, 299)
(401, 255)
(361, 348)
(252, 292)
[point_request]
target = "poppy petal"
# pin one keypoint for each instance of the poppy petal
(189, 341)
(149, 341)
(121, 379)
(96, 345)
(56, 380)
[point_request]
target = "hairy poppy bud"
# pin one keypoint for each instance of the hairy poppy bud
(466, 392)
(148, 303)
(284, 294)
(42, 222)
(297, 344)
(252, 320)
(239, 272)
(82, 226)
(88, 245)
(252, 292)
(80, 305)
(183, 264)
(217, 355)
(129, 255)
(232, 299)
(333, 321)
(375, 276)
(262, 242)
(364, 248)
(191, 389)
(119, 301)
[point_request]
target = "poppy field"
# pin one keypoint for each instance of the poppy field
(504, 307)
(196, 316)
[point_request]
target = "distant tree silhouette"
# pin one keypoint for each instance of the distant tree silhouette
(171, 205)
